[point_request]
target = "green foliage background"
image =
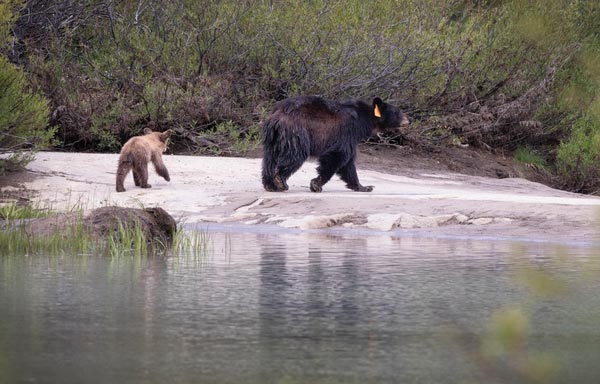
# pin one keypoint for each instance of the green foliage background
(23, 113)
(505, 74)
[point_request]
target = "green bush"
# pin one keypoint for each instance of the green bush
(23, 118)
(578, 158)
(23, 113)
(7, 18)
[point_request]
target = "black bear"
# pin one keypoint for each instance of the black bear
(305, 126)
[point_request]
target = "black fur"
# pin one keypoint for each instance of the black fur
(311, 126)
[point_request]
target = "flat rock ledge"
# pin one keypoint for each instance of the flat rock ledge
(383, 221)
(227, 191)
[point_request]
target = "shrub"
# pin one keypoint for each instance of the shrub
(578, 157)
(23, 113)
(23, 118)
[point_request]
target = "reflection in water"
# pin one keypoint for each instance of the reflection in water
(291, 308)
(273, 288)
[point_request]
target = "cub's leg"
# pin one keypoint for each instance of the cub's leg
(329, 164)
(122, 171)
(136, 178)
(160, 167)
(348, 174)
(142, 170)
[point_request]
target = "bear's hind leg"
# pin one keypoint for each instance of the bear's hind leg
(136, 178)
(280, 182)
(348, 174)
(286, 170)
(122, 171)
(269, 185)
(142, 171)
(285, 149)
(295, 156)
(270, 178)
(276, 172)
(329, 164)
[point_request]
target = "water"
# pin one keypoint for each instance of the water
(297, 308)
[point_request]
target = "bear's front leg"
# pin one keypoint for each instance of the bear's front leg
(160, 167)
(361, 188)
(348, 174)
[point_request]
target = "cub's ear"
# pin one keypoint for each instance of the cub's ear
(147, 131)
(378, 107)
(166, 134)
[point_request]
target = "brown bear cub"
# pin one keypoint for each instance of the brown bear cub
(137, 153)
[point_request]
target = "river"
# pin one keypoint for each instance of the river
(298, 307)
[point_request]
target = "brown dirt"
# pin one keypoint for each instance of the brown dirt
(405, 160)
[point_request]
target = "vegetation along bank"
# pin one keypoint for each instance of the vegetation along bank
(517, 78)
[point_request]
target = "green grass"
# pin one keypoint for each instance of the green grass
(526, 155)
(194, 242)
(15, 239)
(13, 211)
(127, 240)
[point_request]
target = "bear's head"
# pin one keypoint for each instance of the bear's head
(162, 138)
(387, 116)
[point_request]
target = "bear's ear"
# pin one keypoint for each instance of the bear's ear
(377, 107)
(147, 131)
(166, 134)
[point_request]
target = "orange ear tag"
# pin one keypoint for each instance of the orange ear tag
(377, 112)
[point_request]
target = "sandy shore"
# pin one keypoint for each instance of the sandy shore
(228, 191)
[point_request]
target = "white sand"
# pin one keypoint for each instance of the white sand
(229, 190)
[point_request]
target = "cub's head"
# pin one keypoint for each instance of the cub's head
(162, 138)
(387, 116)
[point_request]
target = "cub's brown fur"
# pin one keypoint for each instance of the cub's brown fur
(137, 153)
